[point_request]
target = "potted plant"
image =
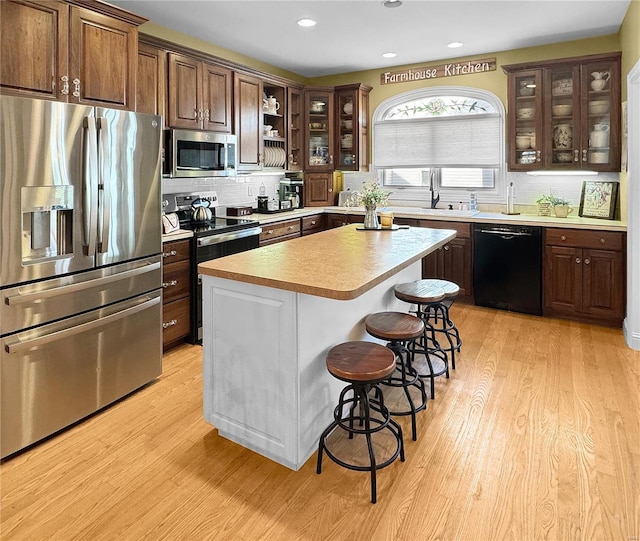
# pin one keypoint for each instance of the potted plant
(371, 196)
(561, 206)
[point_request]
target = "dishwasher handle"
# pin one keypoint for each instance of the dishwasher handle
(505, 234)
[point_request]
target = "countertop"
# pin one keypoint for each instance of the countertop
(571, 222)
(340, 263)
(177, 235)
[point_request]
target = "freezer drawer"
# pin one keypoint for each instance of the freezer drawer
(56, 374)
(34, 304)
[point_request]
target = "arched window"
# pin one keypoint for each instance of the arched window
(449, 139)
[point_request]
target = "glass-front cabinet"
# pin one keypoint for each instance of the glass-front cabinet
(565, 114)
(525, 120)
(351, 122)
(319, 139)
(294, 133)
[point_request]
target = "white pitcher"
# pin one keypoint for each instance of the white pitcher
(599, 137)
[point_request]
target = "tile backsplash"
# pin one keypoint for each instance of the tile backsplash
(529, 188)
(240, 190)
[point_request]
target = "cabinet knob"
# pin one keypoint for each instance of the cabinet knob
(76, 88)
(331, 159)
(195, 116)
(270, 232)
(576, 155)
(313, 222)
(65, 85)
(587, 261)
(538, 158)
(170, 284)
(168, 324)
(169, 254)
(584, 155)
(290, 227)
(563, 237)
(578, 260)
(206, 115)
(446, 247)
(602, 241)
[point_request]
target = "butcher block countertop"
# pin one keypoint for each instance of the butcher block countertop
(340, 263)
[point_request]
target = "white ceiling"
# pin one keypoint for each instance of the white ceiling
(351, 35)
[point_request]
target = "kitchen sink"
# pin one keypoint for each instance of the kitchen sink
(432, 212)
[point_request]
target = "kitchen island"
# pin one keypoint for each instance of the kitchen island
(270, 316)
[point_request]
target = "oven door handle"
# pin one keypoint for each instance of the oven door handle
(226, 237)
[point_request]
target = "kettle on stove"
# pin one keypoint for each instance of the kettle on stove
(200, 211)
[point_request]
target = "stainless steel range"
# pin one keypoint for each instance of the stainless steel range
(214, 238)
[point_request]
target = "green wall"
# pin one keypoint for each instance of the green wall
(209, 48)
(493, 81)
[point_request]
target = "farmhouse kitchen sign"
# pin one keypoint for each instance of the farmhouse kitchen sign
(441, 70)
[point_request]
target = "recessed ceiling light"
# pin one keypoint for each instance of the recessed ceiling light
(392, 3)
(455, 44)
(306, 22)
(388, 55)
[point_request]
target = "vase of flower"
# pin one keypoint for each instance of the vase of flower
(370, 196)
(371, 217)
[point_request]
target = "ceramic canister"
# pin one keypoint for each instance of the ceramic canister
(563, 136)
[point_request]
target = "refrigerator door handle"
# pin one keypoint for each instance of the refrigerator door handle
(104, 202)
(90, 185)
(18, 346)
(79, 286)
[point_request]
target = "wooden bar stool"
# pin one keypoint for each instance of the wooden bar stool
(400, 330)
(424, 293)
(438, 314)
(363, 365)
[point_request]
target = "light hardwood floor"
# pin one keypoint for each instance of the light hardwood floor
(535, 436)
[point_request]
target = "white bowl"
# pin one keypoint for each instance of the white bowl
(267, 129)
(562, 110)
(526, 112)
(598, 107)
(523, 142)
(601, 156)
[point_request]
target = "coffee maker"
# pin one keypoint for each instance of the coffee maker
(291, 189)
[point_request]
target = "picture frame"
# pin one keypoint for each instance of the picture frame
(598, 199)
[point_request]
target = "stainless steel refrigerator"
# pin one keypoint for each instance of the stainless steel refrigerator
(80, 269)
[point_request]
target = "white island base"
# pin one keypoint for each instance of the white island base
(266, 385)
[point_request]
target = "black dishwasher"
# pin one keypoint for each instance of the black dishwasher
(507, 267)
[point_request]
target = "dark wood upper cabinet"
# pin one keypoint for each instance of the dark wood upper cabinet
(216, 93)
(565, 114)
(34, 43)
(103, 63)
(248, 121)
(199, 94)
(79, 54)
(150, 92)
(352, 127)
(295, 136)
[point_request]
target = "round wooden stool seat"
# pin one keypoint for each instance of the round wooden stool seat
(363, 365)
(420, 292)
(394, 326)
(401, 330)
(360, 362)
(451, 289)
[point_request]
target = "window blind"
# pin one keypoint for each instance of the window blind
(453, 141)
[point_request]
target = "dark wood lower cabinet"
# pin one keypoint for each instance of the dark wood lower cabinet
(176, 292)
(582, 281)
(280, 231)
(454, 260)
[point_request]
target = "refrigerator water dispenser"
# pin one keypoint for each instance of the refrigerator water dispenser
(47, 223)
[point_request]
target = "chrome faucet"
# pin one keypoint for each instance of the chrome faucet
(435, 196)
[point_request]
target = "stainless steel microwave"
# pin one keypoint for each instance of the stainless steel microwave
(192, 153)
